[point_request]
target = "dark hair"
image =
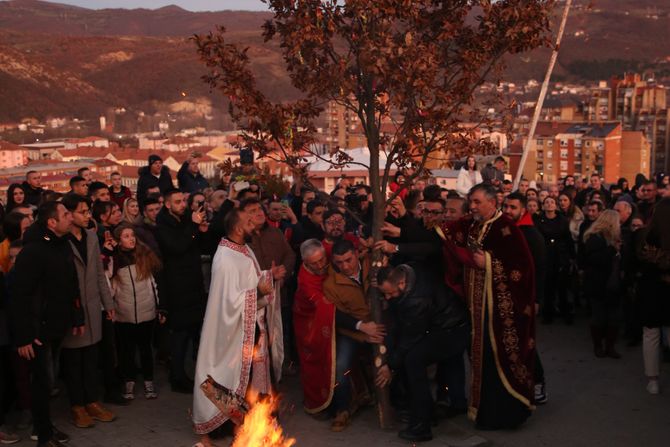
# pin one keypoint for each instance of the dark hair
(231, 220)
(99, 209)
(30, 172)
(314, 204)
(516, 195)
(72, 201)
(81, 170)
(499, 158)
(390, 274)
(532, 189)
(49, 195)
(658, 234)
(244, 192)
(94, 187)
(436, 200)
(11, 204)
(192, 196)
(152, 200)
(367, 189)
(18, 243)
(305, 190)
(431, 192)
(76, 179)
(11, 226)
(330, 213)
(170, 192)
(47, 210)
(598, 203)
(342, 247)
(246, 203)
(114, 173)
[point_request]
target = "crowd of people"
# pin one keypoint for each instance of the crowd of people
(259, 286)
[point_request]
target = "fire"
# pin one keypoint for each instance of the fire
(261, 428)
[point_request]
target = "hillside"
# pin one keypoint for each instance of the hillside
(58, 60)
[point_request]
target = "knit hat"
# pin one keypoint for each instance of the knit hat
(153, 158)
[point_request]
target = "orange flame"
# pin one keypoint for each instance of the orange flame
(261, 428)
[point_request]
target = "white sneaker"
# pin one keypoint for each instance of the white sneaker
(129, 393)
(149, 390)
(541, 395)
(652, 387)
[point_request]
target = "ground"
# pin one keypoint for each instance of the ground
(592, 402)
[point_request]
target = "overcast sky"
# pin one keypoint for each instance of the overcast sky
(191, 5)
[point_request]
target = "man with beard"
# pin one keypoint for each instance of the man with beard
(44, 307)
(499, 285)
(334, 225)
(239, 297)
(515, 209)
(271, 249)
(179, 237)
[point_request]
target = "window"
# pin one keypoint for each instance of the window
(550, 143)
(564, 165)
(550, 166)
(540, 142)
(578, 142)
(564, 153)
(588, 143)
(564, 142)
(550, 154)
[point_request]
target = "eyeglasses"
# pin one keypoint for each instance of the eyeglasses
(335, 222)
(432, 212)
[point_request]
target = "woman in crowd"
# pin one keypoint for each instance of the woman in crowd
(623, 184)
(571, 212)
(131, 211)
(653, 253)
(468, 176)
(136, 296)
(602, 281)
(533, 207)
(15, 197)
(13, 227)
(558, 241)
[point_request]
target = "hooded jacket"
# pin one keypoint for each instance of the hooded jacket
(148, 180)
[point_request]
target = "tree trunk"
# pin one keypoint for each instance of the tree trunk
(384, 408)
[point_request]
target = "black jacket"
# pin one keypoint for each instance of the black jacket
(535, 242)
(184, 294)
(190, 183)
(45, 298)
(33, 196)
(558, 241)
(425, 306)
(148, 180)
(600, 259)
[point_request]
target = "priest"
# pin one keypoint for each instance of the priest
(489, 254)
(236, 341)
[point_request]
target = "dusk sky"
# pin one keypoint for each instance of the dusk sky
(191, 5)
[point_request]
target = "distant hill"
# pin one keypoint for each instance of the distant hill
(60, 60)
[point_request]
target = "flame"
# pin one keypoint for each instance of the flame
(261, 428)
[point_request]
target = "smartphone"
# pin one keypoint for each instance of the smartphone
(285, 203)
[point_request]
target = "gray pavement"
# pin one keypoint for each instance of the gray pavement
(592, 402)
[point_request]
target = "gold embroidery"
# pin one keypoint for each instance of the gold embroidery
(515, 275)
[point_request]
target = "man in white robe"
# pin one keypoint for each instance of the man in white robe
(234, 345)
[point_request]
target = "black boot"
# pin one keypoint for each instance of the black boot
(597, 335)
(419, 432)
(610, 339)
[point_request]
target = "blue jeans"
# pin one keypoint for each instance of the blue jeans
(345, 354)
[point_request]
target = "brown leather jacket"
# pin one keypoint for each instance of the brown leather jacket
(348, 296)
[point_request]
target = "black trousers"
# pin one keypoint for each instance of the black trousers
(108, 356)
(80, 370)
(41, 367)
(5, 382)
(179, 343)
(131, 338)
(437, 347)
